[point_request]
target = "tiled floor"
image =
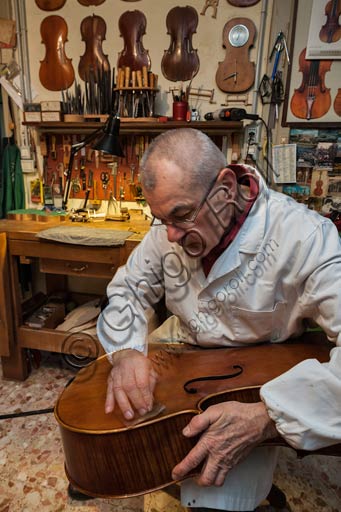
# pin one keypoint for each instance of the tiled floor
(31, 459)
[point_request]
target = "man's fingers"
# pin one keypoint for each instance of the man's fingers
(124, 404)
(191, 461)
(198, 424)
(213, 473)
(110, 399)
(143, 399)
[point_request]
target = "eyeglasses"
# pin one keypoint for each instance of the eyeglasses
(189, 218)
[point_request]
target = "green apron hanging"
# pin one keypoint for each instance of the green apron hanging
(13, 192)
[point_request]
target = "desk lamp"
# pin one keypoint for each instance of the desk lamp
(107, 141)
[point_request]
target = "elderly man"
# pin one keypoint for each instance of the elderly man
(238, 264)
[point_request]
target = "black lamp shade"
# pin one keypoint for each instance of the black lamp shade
(109, 142)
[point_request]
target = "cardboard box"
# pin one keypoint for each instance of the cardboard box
(51, 106)
(51, 116)
(32, 117)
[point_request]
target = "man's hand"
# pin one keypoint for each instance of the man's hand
(131, 383)
(230, 431)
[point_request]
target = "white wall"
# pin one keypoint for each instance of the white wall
(208, 41)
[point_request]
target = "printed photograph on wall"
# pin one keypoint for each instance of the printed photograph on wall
(313, 92)
(324, 38)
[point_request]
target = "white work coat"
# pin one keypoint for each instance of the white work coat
(283, 267)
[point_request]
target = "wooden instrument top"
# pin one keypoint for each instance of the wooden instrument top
(81, 405)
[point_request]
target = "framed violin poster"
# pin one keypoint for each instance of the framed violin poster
(313, 88)
(324, 38)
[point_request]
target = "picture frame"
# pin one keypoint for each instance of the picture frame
(324, 41)
(321, 115)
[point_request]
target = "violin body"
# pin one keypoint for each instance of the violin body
(50, 5)
(312, 99)
(107, 456)
(181, 61)
(331, 30)
(56, 71)
(93, 30)
(236, 73)
(132, 26)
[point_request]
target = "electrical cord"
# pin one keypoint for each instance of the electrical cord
(26, 413)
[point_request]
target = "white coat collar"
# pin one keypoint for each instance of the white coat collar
(249, 238)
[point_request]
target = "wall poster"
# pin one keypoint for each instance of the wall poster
(313, 92)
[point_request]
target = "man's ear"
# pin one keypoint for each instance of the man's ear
(228, 178)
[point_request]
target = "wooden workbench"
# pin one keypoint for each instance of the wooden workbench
(19, 244)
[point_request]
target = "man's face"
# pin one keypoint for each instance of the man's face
(174, 202)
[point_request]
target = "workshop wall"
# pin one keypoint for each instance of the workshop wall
(207, 40)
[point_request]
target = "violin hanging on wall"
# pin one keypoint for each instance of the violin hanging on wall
(331, 30)
(312, 99)
(93, 30)
(87, 3)
(50, 5)
(56, 72)
(243, 3)
(132, 26)
(181, 61)
(236, 73)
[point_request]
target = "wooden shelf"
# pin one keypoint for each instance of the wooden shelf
(140, 127)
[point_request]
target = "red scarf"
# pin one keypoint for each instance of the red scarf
(209, 260)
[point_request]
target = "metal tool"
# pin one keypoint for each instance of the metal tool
(277, 49)
(104, 179)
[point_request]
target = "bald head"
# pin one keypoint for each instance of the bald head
(190, 150)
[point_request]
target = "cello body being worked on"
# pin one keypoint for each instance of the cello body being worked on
(106, 456)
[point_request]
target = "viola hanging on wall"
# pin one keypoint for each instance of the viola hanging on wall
(181, 61)
(132, 25)
(243, 3)
(50, 5)
(56, 72)
(236, 73)
(87, 3)
(93, 30)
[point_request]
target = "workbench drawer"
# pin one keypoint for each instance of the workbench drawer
(78, 268)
